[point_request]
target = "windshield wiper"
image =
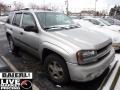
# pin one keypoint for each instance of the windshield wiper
(67, 27)
(73, 26)
(60, 27)
(52, 28)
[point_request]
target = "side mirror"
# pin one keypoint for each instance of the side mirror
(31, 29)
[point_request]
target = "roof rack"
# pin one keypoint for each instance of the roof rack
(23, 9)
(26, 9)
(34, 9)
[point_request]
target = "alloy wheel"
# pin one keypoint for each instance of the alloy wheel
(55, 70)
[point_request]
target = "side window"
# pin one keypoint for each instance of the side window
(16, 19)
(94, 22)
(28, 20)
(87, 20)
(9, 19)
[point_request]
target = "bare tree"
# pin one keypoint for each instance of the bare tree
(54, 8)
(3, 8)
(18, 5)
(34, 6)
(49, 7)
(45, 7)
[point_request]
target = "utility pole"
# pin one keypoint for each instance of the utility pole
(115, 12)
(67, 5)
(95, 6)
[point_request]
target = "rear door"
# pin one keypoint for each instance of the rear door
(8, 25)
(15, 28)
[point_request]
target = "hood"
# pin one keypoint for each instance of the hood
(113, 27)
(82, 38)
(115, 36)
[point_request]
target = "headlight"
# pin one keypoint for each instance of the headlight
(84, 54)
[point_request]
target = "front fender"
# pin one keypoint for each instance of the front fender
(55, 48)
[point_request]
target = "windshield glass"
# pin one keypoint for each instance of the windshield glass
(111, 21)
(94, 22)
(105, 22)
(50, 19)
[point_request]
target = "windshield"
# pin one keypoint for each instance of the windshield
(93, 21)
(111, 21)
(50, 19)
(105, 22)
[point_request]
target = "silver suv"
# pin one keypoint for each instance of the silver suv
(68, 51)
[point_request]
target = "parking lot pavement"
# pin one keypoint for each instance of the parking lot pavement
(30, 64)
(3, 45)
(3, 66)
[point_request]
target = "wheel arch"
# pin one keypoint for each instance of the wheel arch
(47, 51)
(8, 34)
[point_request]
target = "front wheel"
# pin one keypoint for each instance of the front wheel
(56, 69)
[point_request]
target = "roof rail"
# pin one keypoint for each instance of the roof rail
(33, 9)
(25, 9)
(22, 9)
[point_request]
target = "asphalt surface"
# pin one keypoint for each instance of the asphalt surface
(3, 49)
(28, 63)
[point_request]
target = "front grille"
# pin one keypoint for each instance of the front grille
(103, 49)
(103, 57)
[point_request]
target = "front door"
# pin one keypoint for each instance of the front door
(29, 34)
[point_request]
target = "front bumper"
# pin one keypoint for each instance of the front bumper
(89, 72)
(116, 46)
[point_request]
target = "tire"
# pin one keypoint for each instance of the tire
(14, 49)
(117, 51)
(56, 69)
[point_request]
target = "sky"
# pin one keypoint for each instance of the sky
(74, 5)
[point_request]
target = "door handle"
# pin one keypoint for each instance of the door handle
(21, 33)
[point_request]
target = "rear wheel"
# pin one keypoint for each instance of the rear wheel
(57, 70)
(13, 48)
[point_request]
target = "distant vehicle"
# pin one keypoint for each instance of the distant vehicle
(103, 23)
(76, 17)
(3, 18)
(112, 21)
(115, 36)
(6, 13)
(68, 51)
(79, 17)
